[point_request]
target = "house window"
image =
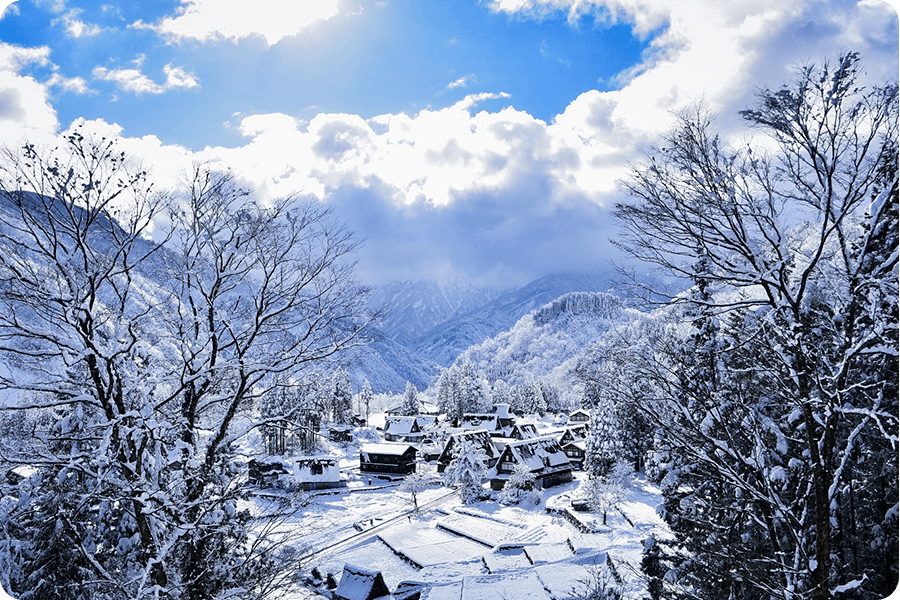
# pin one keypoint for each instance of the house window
(507, 466)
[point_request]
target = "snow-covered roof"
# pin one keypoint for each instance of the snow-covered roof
(522, 585)
(580, 415)
(400, 425)
(361, 584)
(385, 448)
(502, 411)
(526, 430)
(580, 444)
(538, 454)
(478, 436)
(489, 421)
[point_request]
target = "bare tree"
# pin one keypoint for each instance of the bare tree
(785, 239)
(152, 357)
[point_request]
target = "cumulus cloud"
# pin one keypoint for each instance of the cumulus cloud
(503, 196)
(133, 80)
(272, 19)
(25, 110)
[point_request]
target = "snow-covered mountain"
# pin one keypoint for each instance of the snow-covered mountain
(549, 342)
(414, 308)
(387, 365)
(443, 343)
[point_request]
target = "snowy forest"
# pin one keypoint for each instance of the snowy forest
(153, 340)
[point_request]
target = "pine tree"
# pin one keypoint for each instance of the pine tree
(604, 440)
(342, 396)
(410, 406)
(364, 399)
(467, 470)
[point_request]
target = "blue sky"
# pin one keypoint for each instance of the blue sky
(464, 138)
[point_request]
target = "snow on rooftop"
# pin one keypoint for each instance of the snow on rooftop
(539, 453)
(521, 585)
(385, 448)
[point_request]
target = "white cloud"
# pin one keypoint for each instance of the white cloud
(25, 110)
(461, 82)
(8, 7)
(70, 84)
(272, 19)
(527, 192)
(78, 28)
(133, 80)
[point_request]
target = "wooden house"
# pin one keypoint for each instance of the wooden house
(543, 457)
(388, 458)
(479, 436)
(358, 583)
(575, 452)
(402, 429)
(524, 431)
(576, 433)
(505, 416)
(487, 421)
(580, 416)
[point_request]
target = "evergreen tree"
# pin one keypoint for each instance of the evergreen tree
(467, 470)
(364, 399)
(341, 396)
(410, 405)
(501, 394)
(604, 440)
(531, 398)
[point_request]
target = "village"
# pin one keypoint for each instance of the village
(380, 518)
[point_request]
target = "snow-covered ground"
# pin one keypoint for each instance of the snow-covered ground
(374, 526)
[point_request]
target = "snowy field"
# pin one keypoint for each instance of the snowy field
(497, 548)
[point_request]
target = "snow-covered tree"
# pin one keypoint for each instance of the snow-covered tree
(607, 492)
(520, 487)
(410, 405)
(413, 484)
(364, 399)
(603, 446)
(500, 393)
(342, 396)
(531, 398)
(779, 442)
(461, 389)
(151, 387)
(467, 470)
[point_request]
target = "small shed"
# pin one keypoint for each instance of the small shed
(479, 437)
(340, 434)
(402, 429)
(358, 583)
(390, 458)
(543, 457)
(579, 416)
(317, 473)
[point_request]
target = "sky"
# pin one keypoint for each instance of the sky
(472, 139)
